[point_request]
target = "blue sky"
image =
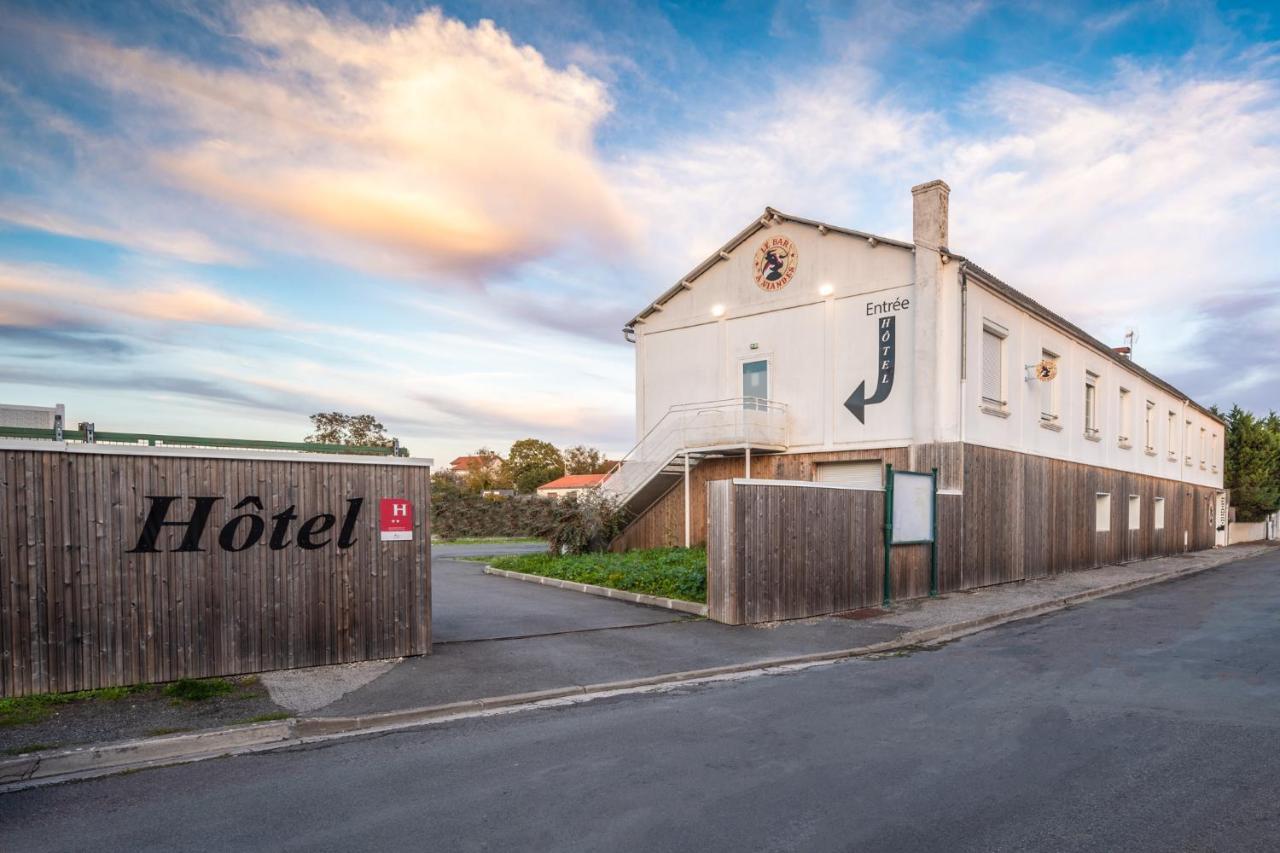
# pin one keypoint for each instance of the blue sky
(219, 218)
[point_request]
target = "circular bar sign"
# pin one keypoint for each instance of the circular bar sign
(395, 519)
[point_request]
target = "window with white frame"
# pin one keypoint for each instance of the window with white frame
(1102, 515)
(1126, 417)
(1186, 442)
(1158, 508)
(1172, 437)
(1091, 404)
(1204, 451)
(1049, 391)
(1149, 428)
(993, 338)
(1213, 453)
(1135, 512)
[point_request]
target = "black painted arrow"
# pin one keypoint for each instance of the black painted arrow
(886, 355)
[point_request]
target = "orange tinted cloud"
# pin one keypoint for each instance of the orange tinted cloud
(427, 144)
(48, 296)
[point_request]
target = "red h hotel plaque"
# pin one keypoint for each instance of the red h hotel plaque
(395, 519)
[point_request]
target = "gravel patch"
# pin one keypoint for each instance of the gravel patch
(145, 713)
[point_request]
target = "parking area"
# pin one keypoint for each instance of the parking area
(468, 605)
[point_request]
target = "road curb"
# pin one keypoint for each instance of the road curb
(99, 760)
(604, 591)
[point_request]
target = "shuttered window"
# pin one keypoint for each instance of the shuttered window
(1090, 403)
(859, 475)
(992, 367)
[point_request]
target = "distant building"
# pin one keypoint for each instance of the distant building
(570, 484)
(31, 417)
(463, 464)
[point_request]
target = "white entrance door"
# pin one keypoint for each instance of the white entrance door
(1220, 520)
(755, 384)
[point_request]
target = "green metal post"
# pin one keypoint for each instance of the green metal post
(933, 541)
(888, 533)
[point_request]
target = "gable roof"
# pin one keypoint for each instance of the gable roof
(768, 219)
(463, 461)
(574, 481)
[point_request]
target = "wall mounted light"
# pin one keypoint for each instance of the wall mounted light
(826, 290)
(717, 310)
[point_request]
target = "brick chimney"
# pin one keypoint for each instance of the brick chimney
(929, 214)
(937, 321)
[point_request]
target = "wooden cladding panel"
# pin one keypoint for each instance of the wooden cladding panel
(1030, 516)
(77, 611)
(789, 552)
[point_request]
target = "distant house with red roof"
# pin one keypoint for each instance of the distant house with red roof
(463, 464)
(570, 484)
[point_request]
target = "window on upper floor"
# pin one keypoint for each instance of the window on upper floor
(1186, 442)
(1091, 405)
(1204, 447)
(1149, 428)
(993, 379)
(1126, 418)
(1172, 437)
(1213, 453)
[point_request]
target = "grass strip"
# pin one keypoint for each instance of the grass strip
(667, 572)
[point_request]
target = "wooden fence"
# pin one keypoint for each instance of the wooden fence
(123, 565)
(789, 550)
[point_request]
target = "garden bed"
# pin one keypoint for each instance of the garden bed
(679, 573)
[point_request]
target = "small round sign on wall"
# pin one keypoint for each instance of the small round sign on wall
(775, 263)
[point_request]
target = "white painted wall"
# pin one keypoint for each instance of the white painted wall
(819, 346)
(1020, 426)
(821, 342)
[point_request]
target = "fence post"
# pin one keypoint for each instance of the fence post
(888, 534)
(933, 541)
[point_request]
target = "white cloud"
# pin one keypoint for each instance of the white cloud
(45, 295)
(420, 146)
(182, 244)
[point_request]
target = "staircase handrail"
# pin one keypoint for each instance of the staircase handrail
(697, 408)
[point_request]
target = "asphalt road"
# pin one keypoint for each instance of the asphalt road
(468, 605)
(1149, 721)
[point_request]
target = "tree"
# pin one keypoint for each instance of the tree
(485, 471)
(354, 430)
(580, 459)
(532, 462)
(1252, 463)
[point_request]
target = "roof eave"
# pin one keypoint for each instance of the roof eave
(1020, 299)
(770, 218)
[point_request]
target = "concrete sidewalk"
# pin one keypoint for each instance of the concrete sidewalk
(467, 678)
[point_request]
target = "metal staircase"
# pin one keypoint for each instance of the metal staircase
(689, 433)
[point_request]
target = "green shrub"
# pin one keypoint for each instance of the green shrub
(668, 572)
(584, 523)
(458, 513)
(198, 689)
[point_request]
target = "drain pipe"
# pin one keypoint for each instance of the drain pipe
(964, 348)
